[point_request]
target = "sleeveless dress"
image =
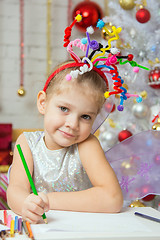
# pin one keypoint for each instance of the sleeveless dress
(56, 170)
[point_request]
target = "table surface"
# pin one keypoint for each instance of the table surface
(96, 226)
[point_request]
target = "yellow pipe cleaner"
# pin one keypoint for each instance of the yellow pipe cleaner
(115, 31)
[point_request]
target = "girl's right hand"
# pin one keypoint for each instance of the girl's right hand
(34, 206)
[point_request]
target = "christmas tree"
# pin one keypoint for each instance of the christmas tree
(140, 36)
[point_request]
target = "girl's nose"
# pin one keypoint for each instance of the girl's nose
(72, 122)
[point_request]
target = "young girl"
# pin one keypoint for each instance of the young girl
(66, 161)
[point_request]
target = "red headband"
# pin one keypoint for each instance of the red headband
(70, 65)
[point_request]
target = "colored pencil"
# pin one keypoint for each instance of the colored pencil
(20, 225)
(29, 230)
(29, 176)
(147, 217)
(25, 227)
(12, 228)
(5, 217)
(9, 221)
(16, 224)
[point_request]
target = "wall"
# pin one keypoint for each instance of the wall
(22, 111)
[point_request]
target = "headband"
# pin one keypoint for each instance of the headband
(70, 65)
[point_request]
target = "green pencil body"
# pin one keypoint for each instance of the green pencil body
(29, 176)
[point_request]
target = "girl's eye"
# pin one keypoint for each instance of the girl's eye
(64, 109)
(86, 117)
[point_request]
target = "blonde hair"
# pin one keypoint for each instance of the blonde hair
(91, 81)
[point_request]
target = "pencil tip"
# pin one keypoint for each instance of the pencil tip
(45, 220)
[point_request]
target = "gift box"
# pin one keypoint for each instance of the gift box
(6, 154)
(5, 161)
(3, 189)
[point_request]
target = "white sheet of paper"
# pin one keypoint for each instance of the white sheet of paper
(63, 221)
(3, 227)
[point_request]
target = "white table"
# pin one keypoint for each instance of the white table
(96, 226)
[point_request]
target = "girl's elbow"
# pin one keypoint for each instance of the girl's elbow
(114, 202)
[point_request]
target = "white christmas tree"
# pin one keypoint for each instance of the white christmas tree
(143, 41)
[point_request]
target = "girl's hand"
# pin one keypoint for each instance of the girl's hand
(34, 206)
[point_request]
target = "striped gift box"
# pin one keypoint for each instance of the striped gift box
(3, 188)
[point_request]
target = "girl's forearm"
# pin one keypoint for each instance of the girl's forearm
(15, 198)
(95, 199)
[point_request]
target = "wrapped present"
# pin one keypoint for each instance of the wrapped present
(5, 146)
(3, 189)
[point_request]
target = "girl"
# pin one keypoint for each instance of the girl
(66, 161)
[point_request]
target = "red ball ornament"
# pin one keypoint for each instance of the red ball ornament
(143, 15)
(148, 198)
(154, 78)
(124, 134)
(90, 12)
(109, 107)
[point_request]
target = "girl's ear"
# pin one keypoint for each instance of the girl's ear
(41, 102)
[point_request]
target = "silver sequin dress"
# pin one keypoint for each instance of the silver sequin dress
(56, 170)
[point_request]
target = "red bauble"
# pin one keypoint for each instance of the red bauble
(148, 198)
(143, 15)
(124, 134)
(90, 12)
(154, 78)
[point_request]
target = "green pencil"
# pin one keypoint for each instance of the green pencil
(29, 176)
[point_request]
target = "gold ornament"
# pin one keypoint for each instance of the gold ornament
(143, 94)
(104, 34)
(121, 45)
(97, 133)
(136, 203)
(111, 123)
(129, 167)
(127, 4)
(21, 92)
(156, 126)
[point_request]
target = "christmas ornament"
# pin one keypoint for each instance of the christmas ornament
(109, 106)
(148, 198)
(21, 91)
(108, 138)
(156, 126)
(140, 110)
(133, 33)
(154, 78)
(127, 4)
(157, 159)
(90, 12)
(143, 15)
(143, 94)
(124, 134)
(137, 203)
(145, 189)
(104, 34)
(129, 167)
(49, 24)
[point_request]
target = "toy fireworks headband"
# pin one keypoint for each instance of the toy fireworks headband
(102, 60)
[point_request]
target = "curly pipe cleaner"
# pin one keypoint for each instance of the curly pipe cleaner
(76, 43)
(122, 97)
(116, 81)
(115, 32)
(132, 63)
(82, 69)
(94, 45)
(108, 61)
(68, 30)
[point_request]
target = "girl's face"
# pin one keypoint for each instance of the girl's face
(68, 116)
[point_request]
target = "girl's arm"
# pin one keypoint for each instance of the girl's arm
(19, 199)
(104, 196)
